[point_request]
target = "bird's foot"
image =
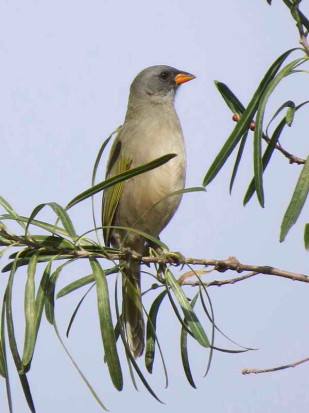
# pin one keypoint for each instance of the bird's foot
(130, 254)
(172, 257)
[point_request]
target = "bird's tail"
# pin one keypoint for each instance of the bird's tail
(132, 308)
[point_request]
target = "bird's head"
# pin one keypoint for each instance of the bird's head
(158, 82)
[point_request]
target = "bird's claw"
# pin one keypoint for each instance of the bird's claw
(173, 257)
(131, 254)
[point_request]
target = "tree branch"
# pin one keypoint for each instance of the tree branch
(216, 282)
(286, 366)
(288, 155)
(230, 263)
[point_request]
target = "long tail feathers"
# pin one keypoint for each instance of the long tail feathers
(132, 309)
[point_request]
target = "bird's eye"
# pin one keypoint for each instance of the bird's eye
(163, 75)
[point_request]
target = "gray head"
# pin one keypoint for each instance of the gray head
(158, 81)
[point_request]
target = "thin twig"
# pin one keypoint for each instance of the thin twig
(288, 155)
(286, 366)
(220, 283)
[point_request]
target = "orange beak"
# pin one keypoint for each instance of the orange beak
(183, 77)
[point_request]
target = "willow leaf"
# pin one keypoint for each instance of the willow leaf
(120, 178)
(244, 121)
(191, 318)
(61, 214)
(184, 349)
(306, 236)
(297, 201)
(258, 131)
(106, 325)
(30, 314)
(151, 331)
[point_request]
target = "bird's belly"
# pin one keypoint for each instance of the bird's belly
(146, 201)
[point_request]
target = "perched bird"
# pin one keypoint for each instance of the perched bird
(151, 129)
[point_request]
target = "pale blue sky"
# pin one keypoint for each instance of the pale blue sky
(66, 67)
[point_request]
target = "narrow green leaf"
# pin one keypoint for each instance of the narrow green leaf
(100, 153)
(50, 290)
(271, 145)
(53, 241)
(61, 214)
(120, 331)
(191, 318)
(211, 317)
(304, 20)
(187, 191)
(238, 159)
(295, 12)
(12, 341)
(81, 282)
(30, 315)
(106, 325)
(151, 331)
(76, 310)
(290, 115)
(120, 178)
(4, 361)
(41, 294)
(4, 242)
(94, 172)
(184, 348)
(291, 5)
(9, 319)
(257, 153)
(306, 236)
(25, 261)
(258, 132)
(33, 324)
(266, 158)
(243, 124)
(27, 392)
(177, 313)
(225, 350)
(48, 227)
(92, 391)
(230, 99)
(288, 104)
(11, 211)
(297, 202)
(130, 358)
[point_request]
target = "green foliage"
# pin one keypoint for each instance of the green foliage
(297, 202)
(58, 248)
(238, 137)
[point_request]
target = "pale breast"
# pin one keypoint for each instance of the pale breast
(145, 203)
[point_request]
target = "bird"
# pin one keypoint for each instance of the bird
(150, 130)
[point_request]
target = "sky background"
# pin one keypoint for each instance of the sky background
(66, 68)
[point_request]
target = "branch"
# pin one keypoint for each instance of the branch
(288, 155)
(230, 263)
(292, 158)
(215, 282)
(287, 366)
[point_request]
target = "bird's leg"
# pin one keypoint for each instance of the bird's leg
(171, 257)
(130, 255)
